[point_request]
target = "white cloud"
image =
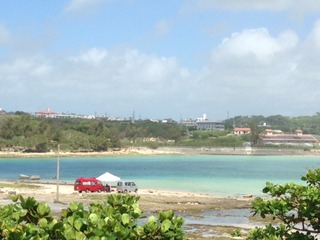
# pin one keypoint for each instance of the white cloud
(82, 5)
(239, 4)
(4, 35)
(255, 72)
(307, 68)
(250, 72)
(295, 8)
(98, 78)
(136, 70)
(93, 55)
(254, 44)
(162, 27)
(313, 38)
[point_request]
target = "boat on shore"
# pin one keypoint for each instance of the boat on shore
(24, 177)
(34, 177)
(27, 177)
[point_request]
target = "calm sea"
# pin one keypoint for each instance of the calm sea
(214, 175)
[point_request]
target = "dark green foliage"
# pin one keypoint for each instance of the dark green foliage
(309, 124)
(116, 219)
(28, 133)
(28, 219)
(210, 138)
(33, 134)
(297, 206)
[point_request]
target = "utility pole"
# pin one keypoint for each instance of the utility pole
(58, 173)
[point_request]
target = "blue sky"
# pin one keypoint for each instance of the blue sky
(161, 59)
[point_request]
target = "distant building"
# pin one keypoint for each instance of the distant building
(263, 125)
(210, 125)
(167, 120)
(2, 111)
(202, 123)
(46, 113)
(298, 138)
(202, 119)
(241, 130)
(188, 123)
(270, 132)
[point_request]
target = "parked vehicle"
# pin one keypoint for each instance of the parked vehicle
(126, 186)
(89, 185)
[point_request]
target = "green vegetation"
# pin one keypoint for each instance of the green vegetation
(23, 132)
(309, 124)
(296, 206)
(117, 218)
(31, 134)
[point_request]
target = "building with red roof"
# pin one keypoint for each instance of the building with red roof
(241, 130)
(46, 113)
(297, 138)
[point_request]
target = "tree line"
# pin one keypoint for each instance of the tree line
(29, 133)
(24, 132)
(309, 124)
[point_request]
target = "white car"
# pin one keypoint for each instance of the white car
(124, 187)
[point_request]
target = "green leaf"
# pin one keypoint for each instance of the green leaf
(166, 215)
(151, 226)
(94, 238)
(125, 219)
(165, 225)
(43, 209)
(74, 206)
(30, 203)
(15, 198)
(136, 210)
(68, 233)
(71, 220)
(79, 236)
(43, 222)
(78, 224)
(93, 217)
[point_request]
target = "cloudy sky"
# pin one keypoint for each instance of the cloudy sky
(161, 58)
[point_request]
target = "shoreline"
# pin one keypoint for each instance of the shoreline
(141, 151)
(198, 210)
(50, 191)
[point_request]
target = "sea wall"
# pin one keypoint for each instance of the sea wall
(240, 151)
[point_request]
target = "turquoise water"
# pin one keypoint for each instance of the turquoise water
(214, 175)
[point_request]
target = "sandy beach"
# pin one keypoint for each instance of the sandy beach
(169, 151)
(151, 201)
(123, 151)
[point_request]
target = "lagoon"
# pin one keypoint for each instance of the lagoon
(213, 175)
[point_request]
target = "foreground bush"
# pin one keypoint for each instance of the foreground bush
(296, 206)
(117, 218)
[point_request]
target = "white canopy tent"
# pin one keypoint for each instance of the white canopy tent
(108, 177)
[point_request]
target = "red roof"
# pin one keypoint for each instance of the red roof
(46, 112)
(286, 138)
(241, 129)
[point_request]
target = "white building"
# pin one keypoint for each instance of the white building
(202, 119)
(204, 124)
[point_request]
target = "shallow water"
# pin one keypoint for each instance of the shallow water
(230, 217)
(214, 175)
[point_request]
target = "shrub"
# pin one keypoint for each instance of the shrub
(117, 218)
(297, 206)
